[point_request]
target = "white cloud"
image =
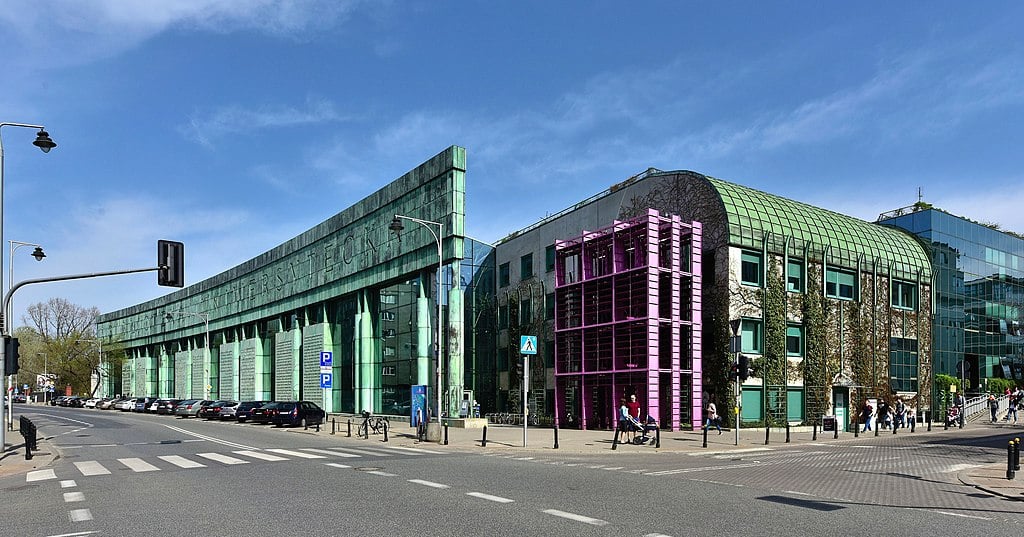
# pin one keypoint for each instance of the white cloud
(205, 129)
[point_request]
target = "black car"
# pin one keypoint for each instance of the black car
(142, 404)
(212, 410)
(166, 406)
(297, 413)
(264, 414)
(245, 408)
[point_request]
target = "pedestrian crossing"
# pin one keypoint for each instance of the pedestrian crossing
(208, 459)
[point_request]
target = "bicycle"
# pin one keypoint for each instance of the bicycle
(374, 424)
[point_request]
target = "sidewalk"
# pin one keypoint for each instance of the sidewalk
(509, 439)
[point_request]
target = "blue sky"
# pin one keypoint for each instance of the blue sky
(234, 126)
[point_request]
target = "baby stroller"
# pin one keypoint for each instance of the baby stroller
(952, 416)
(641, 430)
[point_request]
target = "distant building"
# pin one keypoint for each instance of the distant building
(979, 294)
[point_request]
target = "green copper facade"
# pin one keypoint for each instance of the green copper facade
(271, 316)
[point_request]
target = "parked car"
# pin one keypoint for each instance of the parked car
(126, 405)
(227, 412)
(265, 414)
(142, 404)
(19, 398)
(212, 411)
(190, 408)
(244, 409)
(297, 413)
(166, 406)
(108, 404)
(71, 401)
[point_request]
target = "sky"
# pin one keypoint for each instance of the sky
(235, 126)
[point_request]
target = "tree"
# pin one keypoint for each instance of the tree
(61, 340)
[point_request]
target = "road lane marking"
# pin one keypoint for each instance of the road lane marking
(368, 452)
(74, 497)
(385, 474)
(80, 515)
(91, 468)
(414, 450)
(728, 452)
(209, 438)
(181, 462)
(656, 535)
(40, 475)
(577, 518)
(488, 497)
(261, 456)
(332, 452)
(138, 465)
(76, 534)
(961, 515)
(221, 458)
(297, 454)
(337, 465)
(68, 484)
(704, 469)
(429, 483)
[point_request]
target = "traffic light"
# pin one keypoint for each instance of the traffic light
(10, 355)
(170, 257)
(743, 369)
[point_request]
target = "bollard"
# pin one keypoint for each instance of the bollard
(483, 442)
(333, 426)
(1016, 454)
(446, 433)
(894, 427)
(386, 430)
(913, 424)
(615, 439)
(350, 428)
(705, 437)
(318, 426)
(1009, 460)
(787, 432)
(878, 427)
(945, 424)
(767, 431)
(657, 437)
(814, 432)
(835, 434)
(929, 418)
(556, 437)
(856, 428)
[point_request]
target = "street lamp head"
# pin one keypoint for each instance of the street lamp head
(44, 142)
(397, 227)
(38, 253)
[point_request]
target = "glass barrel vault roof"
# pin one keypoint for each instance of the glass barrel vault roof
(752, 214)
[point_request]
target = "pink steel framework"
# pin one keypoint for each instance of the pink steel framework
(628, 321)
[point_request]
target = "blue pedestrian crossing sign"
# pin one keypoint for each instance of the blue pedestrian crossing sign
(326, 359)
(326, 380)
(527, 344)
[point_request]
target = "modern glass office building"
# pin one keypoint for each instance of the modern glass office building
(979, 294)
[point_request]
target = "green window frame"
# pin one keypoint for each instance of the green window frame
(794, 340)
(526, 266)
(751, 336)
(503, 275)
(750, 268)
(795, 279)
(904, 295)
(549, 258)
(841, 284)
(903, 364)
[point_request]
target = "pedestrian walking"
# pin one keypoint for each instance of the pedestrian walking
(960, 404)
(865, 416)
(901, 414)
(713, 418)
(993, 407)
(1014, 403)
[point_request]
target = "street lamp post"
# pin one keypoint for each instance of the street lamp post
(206, 321)
(9, 314)
(397, 227)
(44, 143)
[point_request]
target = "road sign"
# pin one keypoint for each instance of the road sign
(527, 344)
(326, 359)
(326, 380)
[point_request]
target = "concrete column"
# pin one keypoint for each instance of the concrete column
(424, 333)
(455, 342)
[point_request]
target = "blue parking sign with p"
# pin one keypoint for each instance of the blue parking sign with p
(326, 380)
(326, 359)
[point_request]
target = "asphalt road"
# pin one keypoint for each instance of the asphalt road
(142, 475)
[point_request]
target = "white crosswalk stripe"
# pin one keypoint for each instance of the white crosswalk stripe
(261, 456)
(370, 452)
(40, 475)
(91, 468)
(181, 462)
(299, 454)
(138, 465)
(222, 458)
(332, 452)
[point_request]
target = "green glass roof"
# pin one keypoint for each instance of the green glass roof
(752, 214)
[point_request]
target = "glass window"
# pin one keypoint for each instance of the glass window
(751, 336)
(904, 295)
(794, 341)
(840, 284)
(526, 266)
(903, 364)
(549, 306)
(549, 258)
(503, 316)
(503, 276)
(526, 311)
(795, 276)
(750, 268)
